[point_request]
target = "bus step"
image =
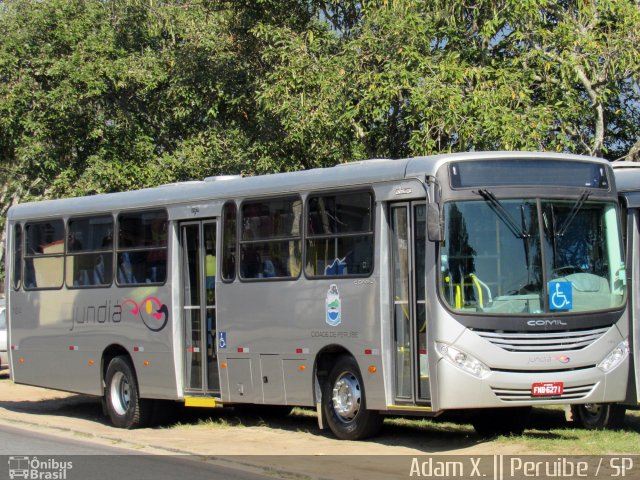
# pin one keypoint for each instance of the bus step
(203, 402)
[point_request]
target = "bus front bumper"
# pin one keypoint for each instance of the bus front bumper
(458, 389)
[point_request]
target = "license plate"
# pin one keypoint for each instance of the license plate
(547, 389)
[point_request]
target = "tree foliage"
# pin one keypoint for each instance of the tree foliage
(418, 77)
(99, 96)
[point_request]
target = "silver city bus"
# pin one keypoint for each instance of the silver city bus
(611, 415)
(456, 282)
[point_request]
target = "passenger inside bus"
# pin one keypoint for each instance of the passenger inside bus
(125, 270)
(210, 265)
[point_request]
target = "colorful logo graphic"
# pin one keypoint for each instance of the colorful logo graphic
(153, 313)
(333, 306)
(562, 358)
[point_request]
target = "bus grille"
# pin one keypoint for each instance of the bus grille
(529, 342)
(524, 395)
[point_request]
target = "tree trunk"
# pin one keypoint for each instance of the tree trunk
(634, 153)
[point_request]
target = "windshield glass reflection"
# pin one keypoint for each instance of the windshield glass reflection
(496, 260)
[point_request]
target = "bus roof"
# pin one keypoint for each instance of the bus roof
(352, 174)
(627, 176)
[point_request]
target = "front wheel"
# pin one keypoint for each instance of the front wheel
(599, 416)
(344, 403)
(124, 406)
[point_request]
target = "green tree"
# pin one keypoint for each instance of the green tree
(104, 96)
(416, 77)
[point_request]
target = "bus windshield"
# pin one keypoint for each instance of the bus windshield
(531, 256)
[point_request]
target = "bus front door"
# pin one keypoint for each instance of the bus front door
(408, 246)
(198, 271)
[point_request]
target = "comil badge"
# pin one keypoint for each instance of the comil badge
(333, 304)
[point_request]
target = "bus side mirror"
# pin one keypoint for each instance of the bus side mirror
(434, 230)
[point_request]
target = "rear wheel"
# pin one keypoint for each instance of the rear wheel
(344, 403)
(598, 416)
(124, 406)
(491, 422)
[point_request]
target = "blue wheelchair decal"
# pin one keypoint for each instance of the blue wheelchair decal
(222, 339)
(560, 296)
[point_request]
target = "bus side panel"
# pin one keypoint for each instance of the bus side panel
(64, 349)
(151, 331)
(155, 371)
(145, 331)
(241, 383)
(295, 380)
(47, 352)
(289, 319)
(272, 379)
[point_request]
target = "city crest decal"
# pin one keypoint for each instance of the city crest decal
(333, 305)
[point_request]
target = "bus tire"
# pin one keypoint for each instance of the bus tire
(491, 422)
(344, 402)
(599, 416)
(125, 407)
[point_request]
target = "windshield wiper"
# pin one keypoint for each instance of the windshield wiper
(503, 214)
(525, 242)
(572, 213)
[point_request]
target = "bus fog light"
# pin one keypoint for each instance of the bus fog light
(464, 361)
(615, 357)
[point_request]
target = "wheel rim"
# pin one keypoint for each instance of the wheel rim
(120, 393)
(347, 397)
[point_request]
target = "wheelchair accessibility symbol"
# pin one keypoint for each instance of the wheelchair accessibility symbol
(560, 296)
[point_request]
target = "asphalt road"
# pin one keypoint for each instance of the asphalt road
(65, 459)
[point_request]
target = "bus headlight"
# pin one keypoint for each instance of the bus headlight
(615, 357)
(464, 361)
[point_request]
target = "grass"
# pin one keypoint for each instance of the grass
(575, 441)
(548, 431)
(212, 423)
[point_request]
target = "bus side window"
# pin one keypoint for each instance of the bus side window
(44, 256)
(89, 251)
(339, 235)
(270, 238)
(142, 248)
